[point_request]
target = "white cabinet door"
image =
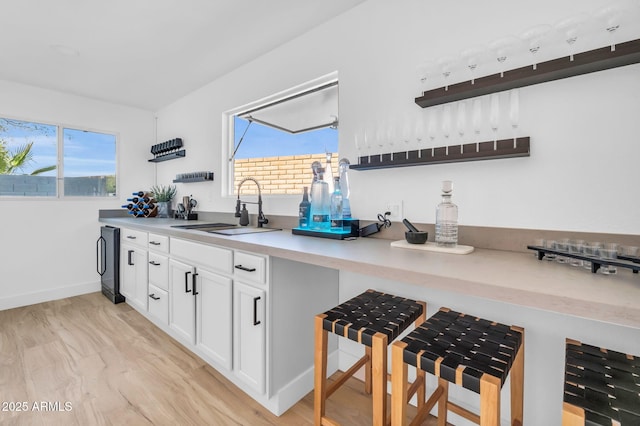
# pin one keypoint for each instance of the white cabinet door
(133, 283)
(182, 303)
(249, 348)
(214, 316)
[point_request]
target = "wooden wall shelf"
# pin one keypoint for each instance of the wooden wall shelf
(504, 148)
(583, 63)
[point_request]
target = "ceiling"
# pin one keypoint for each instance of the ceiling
(145, 53)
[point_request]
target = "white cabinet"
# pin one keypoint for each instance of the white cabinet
(133, 275)
(159, 304)
(249, 337)
(214, 316)
(182, 303)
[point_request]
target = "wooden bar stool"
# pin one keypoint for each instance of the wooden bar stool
(601, 387)
(374, 319)
(471, 352)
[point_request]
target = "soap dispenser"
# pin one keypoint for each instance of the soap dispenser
(244, 215)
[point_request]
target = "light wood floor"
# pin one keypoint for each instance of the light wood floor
(112, 366)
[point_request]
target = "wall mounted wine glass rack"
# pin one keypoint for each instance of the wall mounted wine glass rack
(626, 53)
(503, 148)
(628, 262)
(167, 150)
(193, 177)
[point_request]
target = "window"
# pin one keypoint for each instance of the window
(46, 160)
(276, 140)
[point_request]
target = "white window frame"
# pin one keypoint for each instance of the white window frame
(60, 162)
(228, 136)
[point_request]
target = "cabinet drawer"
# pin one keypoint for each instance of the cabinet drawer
(159, 303)
(250, 267)
(159, 243)
(213, 258)
(159, 270)
(131, 236)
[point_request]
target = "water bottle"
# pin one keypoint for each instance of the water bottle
(336, 206)
(343, 167)
(320, 203)
(328, 173)
(446, 219)
(304, 209)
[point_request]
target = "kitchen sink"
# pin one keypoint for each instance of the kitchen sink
(224, 228)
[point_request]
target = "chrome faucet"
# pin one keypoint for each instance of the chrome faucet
(244, 214)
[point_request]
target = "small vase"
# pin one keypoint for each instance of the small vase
(163, 208)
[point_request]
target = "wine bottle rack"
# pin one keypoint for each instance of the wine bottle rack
(628, 262)
(138, 207)
(583, 63)
(503, 148)
(167, 150)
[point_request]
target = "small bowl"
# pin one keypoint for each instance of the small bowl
(416, 237)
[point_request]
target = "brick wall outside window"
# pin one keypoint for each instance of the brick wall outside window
(279, 175)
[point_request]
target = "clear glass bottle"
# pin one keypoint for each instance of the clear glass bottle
(304, 209)
(328, 172)
(343, 167)
(320, 203)
(446, 219)
(336, 206)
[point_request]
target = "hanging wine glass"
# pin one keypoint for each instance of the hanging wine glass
(610, 18)
(476, 119)
(504, 48)
(418, 129)
(472, 57)
(433, 127)
(447, 65)
(514, 112)
(428, 73)
(461, 120)
(494, 117)
(534, 39)
(572, 31)
(446, 122)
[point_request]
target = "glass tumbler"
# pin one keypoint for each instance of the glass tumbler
(590, 250)
(551, 245)
(608, 252)
(562, 245)
(576, 247)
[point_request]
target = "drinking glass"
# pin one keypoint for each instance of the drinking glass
(534, 39)
(418, 129)
(477, 118)
(609, 18)
(576, 247)
(608, 252)
(428, 73)
(514, 111)
(562, 245)
(432, 129)
(472, 57)
(461, 120)
(446, 122)
(551, 245)
(447, 66)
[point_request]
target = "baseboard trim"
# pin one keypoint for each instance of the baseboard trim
(48, 295)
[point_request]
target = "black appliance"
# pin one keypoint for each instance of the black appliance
(108, 262)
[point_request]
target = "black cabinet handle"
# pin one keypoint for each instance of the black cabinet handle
(153, 296)
(186, 282)
(101, 259)
(155, 243)
(131, 237)
(193, 283)
(244, 268)
(129, 261)
(255, 311)
(154, 263)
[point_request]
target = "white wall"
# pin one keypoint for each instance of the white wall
(47, 246)
(583, 130)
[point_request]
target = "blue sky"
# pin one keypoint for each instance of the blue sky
(85, 153)
(264, 141)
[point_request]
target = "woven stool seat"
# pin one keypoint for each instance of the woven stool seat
(371, 312)
(471, 352)
(373, 319)
(601, 386)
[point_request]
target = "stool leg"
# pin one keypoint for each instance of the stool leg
(320, 370)
(442, 402)
(517, 385)
(379, 378)
(489, 400)
(572, 415)
(421, 393)
(399, 385)
(367, 370)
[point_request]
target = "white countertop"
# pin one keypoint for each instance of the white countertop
(517, 278)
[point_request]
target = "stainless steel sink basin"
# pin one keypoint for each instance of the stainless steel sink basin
(224, 228)
(241, 230)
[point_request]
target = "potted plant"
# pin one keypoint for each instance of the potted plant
(163, 196)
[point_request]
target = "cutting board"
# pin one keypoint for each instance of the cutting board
(459, 249)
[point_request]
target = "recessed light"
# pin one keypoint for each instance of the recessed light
(65, 50)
